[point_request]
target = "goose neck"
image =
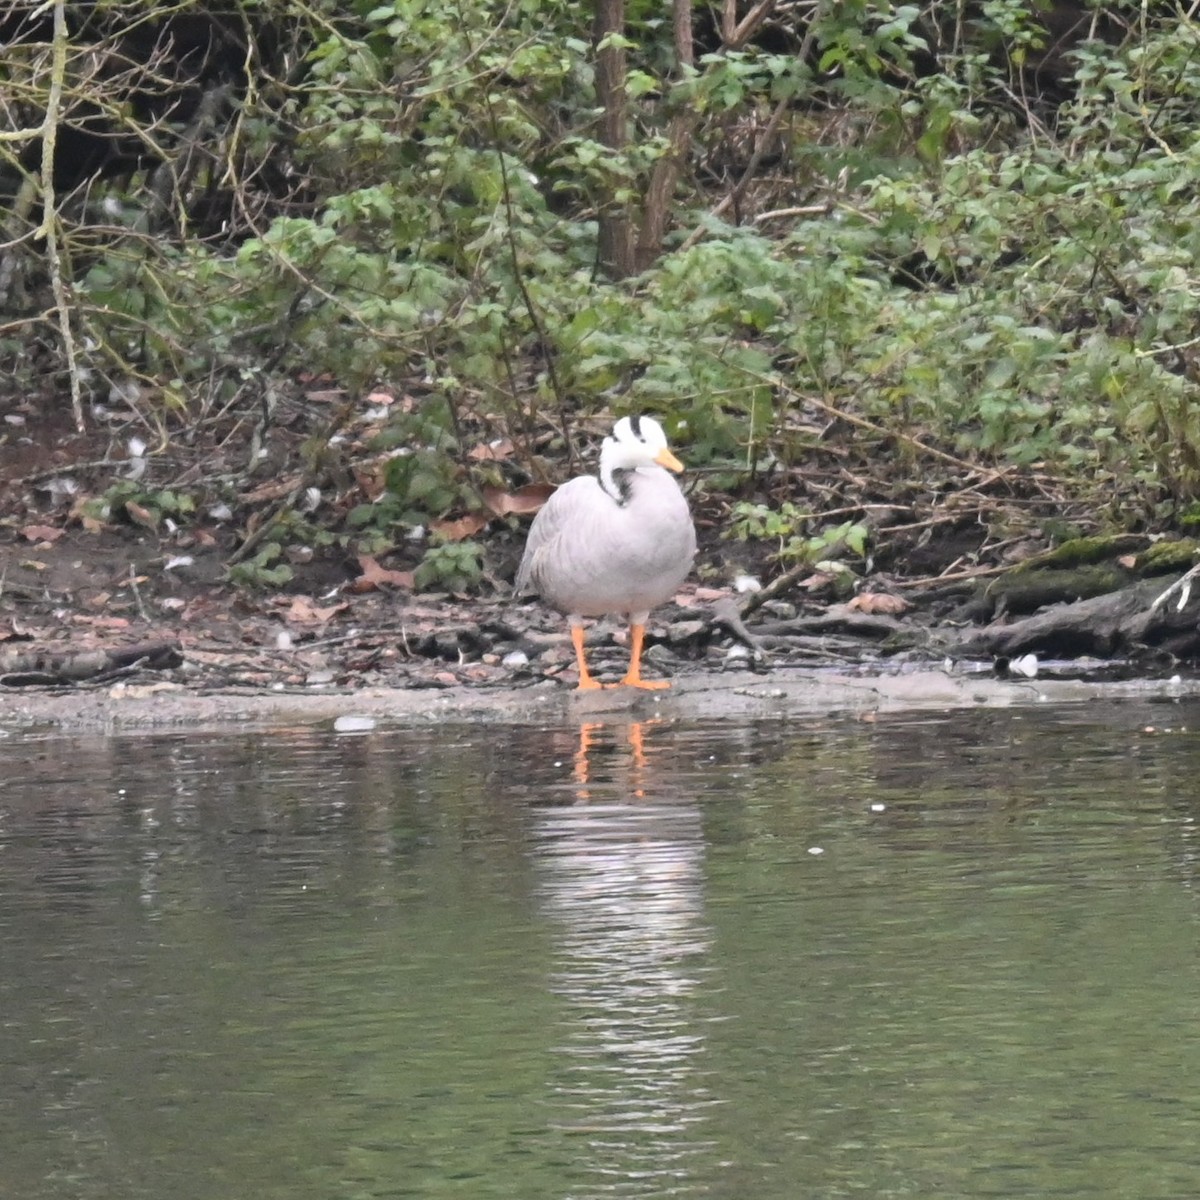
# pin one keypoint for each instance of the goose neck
(616, 482)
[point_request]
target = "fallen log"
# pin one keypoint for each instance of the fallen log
(41, 668)
(1124, 622)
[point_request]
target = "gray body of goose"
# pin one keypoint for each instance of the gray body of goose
(621, 541)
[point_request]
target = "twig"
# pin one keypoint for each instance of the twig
(1183, 584)
(725, 615)
(956, 577)
(777, 586)
(49, 227)
(137, 595)
(949, 519)
(72, 469)
(330, 641)
(802, 210)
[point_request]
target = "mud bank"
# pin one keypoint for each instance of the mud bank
(741, 696)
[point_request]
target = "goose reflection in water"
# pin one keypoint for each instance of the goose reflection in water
(622, 878)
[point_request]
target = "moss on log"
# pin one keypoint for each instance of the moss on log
(1023, 591)
(1162, 557)
(1083, 551)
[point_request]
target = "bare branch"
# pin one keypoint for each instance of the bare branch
(49, 226)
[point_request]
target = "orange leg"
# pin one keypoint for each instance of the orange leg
(633, 677)
(586, 682)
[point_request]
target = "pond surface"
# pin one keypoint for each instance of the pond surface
(927, 956)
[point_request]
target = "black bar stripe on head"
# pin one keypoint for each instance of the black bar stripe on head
(635, 423)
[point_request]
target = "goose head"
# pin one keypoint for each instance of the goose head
(636, 442)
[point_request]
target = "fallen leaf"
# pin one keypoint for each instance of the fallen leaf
(372, 480)
(32, 564)
(879, 602)
(1128, 561)
(710, 593)
(464, 527)
(141, 516)
(496, 451)
(524, 500)
(41, 533)
(89, 512)
(374, 576)
(100, 622)
(818, 579)
(303, 611)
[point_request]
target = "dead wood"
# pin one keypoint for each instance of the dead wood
(839, 618)
(38, 667)
(1023, 591)
(1120, 622)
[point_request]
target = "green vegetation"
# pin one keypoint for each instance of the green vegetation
(970, 233)
(456, 566)
(786, 525)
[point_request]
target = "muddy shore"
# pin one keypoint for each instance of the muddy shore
(123, 708)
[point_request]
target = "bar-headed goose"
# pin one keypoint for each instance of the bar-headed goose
(621, 541)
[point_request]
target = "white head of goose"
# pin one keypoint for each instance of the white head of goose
(621, 541)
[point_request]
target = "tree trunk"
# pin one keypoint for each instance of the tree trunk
(615, 246)
(679, 140)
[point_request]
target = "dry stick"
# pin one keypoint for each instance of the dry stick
(137, 594)
(73, 469)
(956, 577)
(929, 523)
(49, 227)
(803, 210)
(776, 587)
(851, 509)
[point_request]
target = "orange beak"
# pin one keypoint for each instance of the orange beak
(665, 458)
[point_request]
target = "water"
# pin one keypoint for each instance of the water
(605, 961)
